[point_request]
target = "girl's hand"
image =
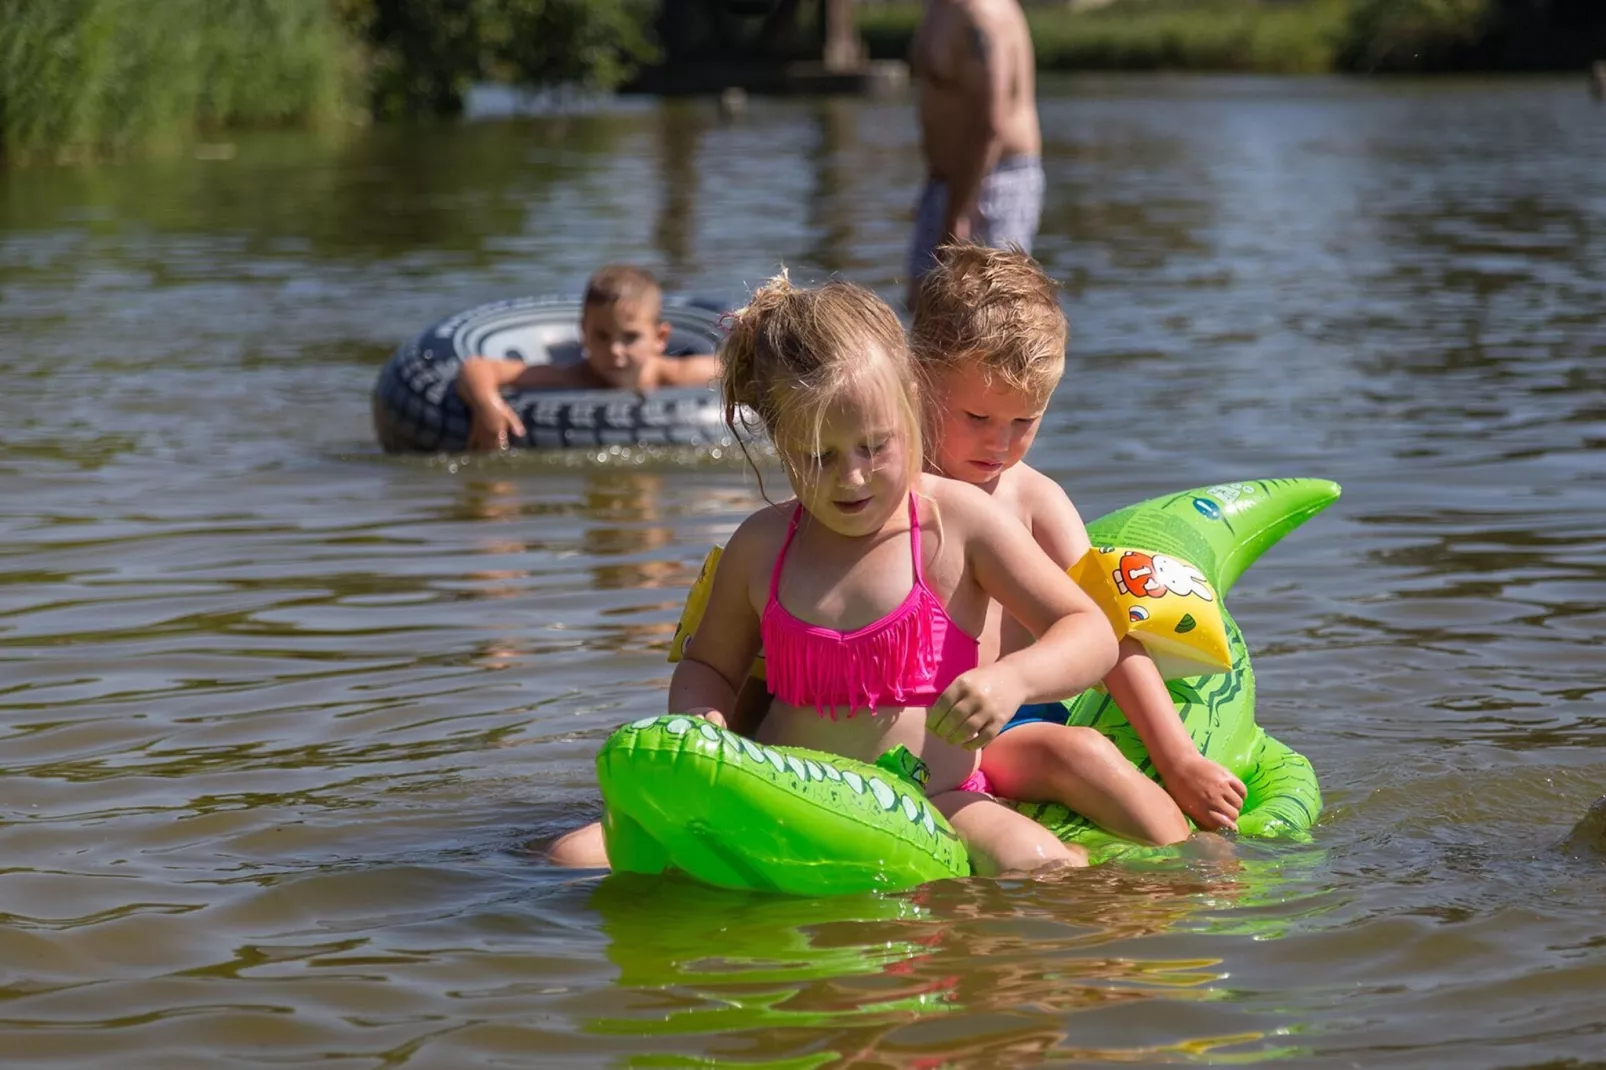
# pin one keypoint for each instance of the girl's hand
(709, 714)
(1206, 792)
(976, 707)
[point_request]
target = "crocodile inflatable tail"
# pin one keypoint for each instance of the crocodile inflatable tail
(682, 794)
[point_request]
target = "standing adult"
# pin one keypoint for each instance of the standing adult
(976, 78)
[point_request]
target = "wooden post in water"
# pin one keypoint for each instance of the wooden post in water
(842, 48)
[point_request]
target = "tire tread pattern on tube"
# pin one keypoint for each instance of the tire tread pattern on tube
(416, 406)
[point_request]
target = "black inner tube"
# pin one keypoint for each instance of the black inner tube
(416, 406)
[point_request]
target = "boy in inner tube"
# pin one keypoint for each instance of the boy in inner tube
(623, 334)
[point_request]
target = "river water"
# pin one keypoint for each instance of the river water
(285, 720)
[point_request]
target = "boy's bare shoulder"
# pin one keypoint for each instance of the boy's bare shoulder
(1040, 499)
(1039, 484)
(956, 496)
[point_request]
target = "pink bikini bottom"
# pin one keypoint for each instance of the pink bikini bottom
(977, 781)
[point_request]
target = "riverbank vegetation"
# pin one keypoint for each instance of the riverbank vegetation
(82, 77)
(90, 77)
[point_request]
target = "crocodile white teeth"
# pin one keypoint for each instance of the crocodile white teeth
(797, 768)
(883, 794)
(678, 726)
(911, 809)
(855, 781)
(815, 772)
(645, 722)
(751, 749)
(709, 732)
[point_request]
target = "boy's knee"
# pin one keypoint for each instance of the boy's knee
(1088, 742)
(583, 848)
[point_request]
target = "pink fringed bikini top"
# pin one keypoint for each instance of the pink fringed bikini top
(907, 658)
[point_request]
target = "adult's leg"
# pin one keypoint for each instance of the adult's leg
(927, 235)
(999, 839)
(1009, 205)
(1079, 768)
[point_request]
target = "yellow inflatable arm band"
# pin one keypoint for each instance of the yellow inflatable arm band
(696, 605)
(1163, 602)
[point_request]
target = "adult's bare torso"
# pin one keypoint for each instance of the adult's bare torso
(944, 43)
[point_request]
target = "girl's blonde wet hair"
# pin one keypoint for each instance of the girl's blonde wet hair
(793, 352)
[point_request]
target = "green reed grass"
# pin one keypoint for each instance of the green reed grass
(1227, 35)
(81, 77)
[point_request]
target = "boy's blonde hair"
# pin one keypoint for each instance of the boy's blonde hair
(793, 351)
(993, 307)
(624, 284)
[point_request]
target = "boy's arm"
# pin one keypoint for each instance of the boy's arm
(706, 680)
(699, 370)
(1035, 590)
(1205, 790)
(483, 378)
(552, 376)
(1053, 520)
(480, 382)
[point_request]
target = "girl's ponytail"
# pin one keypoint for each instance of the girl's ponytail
(752, 329)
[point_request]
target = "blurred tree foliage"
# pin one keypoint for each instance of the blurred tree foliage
(424, 54)
(1411, 34)
(80, 77)
(1289, 35)
(1465, 35)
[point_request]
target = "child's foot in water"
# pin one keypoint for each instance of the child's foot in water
(1209, 847)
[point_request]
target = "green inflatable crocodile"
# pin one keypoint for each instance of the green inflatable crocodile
(683, 794)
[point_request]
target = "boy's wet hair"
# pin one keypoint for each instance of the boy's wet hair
(624, 284)
(793, 351)
(993, 307)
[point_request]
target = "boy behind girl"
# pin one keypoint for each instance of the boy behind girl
(990, 334)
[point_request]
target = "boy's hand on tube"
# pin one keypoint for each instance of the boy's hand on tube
(492, 425)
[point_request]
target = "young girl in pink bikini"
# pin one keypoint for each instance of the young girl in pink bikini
(867, 592)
